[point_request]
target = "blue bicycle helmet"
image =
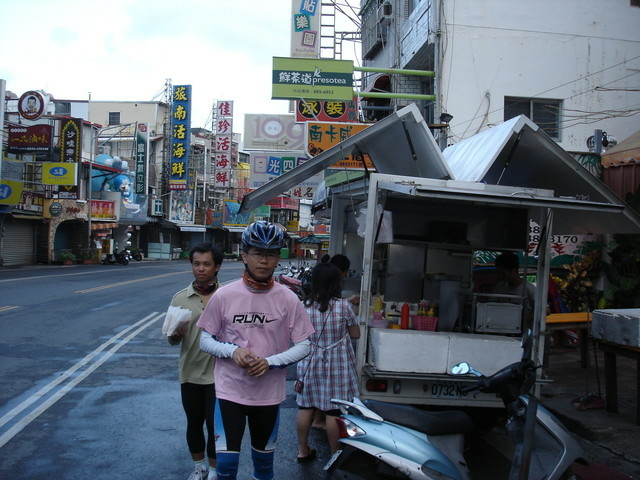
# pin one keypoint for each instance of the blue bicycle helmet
(263, 235)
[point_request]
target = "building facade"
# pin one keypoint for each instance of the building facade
(571, 66)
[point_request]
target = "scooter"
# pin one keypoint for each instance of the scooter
(137, 256)
(386, 440)
(115, 257)
(296, 279)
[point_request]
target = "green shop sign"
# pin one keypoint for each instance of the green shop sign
(311, 78)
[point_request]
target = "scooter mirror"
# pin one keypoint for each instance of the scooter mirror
(461, 369)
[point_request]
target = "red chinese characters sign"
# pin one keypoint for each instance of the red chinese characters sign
(223, 144)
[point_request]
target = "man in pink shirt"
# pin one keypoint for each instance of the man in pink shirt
(256, 328)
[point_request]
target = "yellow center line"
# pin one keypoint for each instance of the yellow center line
(7, 308)
(119, 284)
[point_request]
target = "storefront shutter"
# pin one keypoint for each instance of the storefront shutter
(17, 244)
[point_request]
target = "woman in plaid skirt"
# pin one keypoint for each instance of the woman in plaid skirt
(330, 369)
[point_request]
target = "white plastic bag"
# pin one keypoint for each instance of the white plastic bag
(385, 234)
(176, 319)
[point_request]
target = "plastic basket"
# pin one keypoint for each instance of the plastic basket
(425, 323)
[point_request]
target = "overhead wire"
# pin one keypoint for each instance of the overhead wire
(574, 81)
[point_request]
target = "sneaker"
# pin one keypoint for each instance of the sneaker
(213, 475)
(200, 473)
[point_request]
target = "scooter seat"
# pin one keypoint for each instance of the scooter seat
(445, 422)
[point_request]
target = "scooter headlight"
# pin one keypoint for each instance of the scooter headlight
(347, 429)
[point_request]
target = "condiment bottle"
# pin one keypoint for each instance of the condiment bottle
(378, 305)
(404, 317)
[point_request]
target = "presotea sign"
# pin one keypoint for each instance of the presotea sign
(312, 78)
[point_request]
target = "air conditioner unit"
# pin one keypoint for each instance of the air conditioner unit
(157, 207)
(385, 13)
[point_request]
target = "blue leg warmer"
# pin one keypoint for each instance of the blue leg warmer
(262, 464)
(227, 465)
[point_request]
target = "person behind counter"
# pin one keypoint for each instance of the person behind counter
(511, 283)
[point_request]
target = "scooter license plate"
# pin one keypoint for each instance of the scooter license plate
(445, 390)
(331, 461)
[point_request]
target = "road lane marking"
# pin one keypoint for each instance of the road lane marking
(128, 282)
(21, 424)
(7, 308)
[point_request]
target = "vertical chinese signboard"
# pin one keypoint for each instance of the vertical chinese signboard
(71, 140)
(305, 32)
(180, 136)
(223, 144)
(142, 156)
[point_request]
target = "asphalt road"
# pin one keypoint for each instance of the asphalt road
(89, 383)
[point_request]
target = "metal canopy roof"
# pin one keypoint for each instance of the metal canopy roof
(399, 144)
(518, 153)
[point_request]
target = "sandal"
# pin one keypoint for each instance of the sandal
(309, 457)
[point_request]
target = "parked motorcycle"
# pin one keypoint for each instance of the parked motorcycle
(386, 440)
(137, 255)
(297, 279)
(116, 257)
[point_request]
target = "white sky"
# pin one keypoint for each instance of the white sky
(126, 49)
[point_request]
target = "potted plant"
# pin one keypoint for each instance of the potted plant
(67, 258)
(90, 256)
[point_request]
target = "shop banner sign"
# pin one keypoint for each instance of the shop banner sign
(29, 138)
(224, 120)
(272, 132)
(180, 136)
(181, 207)
(10, 192)
(305, 28)
(71, 140)
(103, 210)
(59, 173)
(322, 136)
(327, 111)
(231, 216)
(266, 166)
(142, 157)
(317, 79)
(32, 105)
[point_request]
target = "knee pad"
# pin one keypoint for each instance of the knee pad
(227, 465)
(262, 464)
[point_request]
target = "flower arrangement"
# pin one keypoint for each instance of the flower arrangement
(576, 287)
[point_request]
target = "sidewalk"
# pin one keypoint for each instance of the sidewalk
(611, 439)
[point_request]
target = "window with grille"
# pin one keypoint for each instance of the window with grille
(114, 118)
(543, 112)
(63, 108)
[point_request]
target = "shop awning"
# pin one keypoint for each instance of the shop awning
(234, 229)
(103, 225)
(398, 144)
(192, 228)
